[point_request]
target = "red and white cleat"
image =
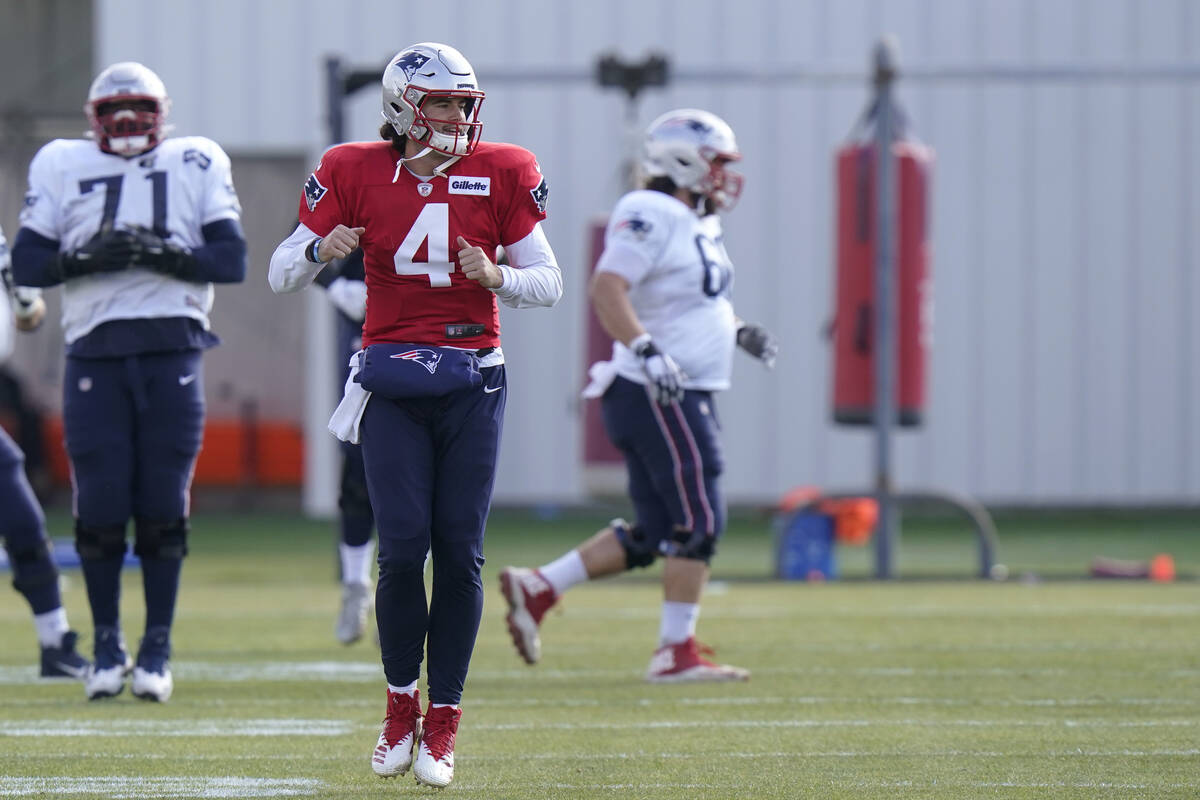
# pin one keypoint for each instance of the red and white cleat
(529, 597)
(685, 663)
(435, 754)
(401, 728)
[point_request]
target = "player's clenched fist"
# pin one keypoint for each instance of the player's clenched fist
(477, 266)
(338, 243)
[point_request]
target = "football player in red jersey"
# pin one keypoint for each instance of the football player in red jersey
(429, 206)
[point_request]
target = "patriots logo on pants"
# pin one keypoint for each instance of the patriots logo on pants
(425, 357)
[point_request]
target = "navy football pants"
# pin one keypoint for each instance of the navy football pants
(22, 527)
(431, 464)
(133, 428)
(673, 457)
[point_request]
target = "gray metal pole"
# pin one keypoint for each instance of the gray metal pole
(888, 530)
(335, 97)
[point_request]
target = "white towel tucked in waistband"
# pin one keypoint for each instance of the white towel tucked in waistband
(347, 417)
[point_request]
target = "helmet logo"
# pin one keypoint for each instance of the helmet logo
(410, 62)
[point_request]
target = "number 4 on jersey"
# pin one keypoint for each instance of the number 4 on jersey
(433, 226)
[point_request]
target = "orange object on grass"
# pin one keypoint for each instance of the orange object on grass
(1162, 568)
(854, 518)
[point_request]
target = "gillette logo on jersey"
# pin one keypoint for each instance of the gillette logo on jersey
(476, 186)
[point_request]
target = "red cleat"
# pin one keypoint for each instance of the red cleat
(529, 597)
(685, 663)
(401, 728)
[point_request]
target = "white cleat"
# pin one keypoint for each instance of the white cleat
(156, 686)
(356, 607)
(401, 728)
(684, 663)
(106, 682)
(435, 754)
(106, 676)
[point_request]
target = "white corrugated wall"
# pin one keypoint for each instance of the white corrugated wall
(1064, 367)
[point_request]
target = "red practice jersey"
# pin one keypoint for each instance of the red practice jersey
(415, 291)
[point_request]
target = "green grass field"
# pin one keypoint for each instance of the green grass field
(1046, 685)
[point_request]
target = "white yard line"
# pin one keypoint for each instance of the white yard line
(643, 755)
(359, 672)
(158, 787)
(50, 728)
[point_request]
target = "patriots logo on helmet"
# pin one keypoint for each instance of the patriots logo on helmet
(424, 356)
(410, 62)
(540, 194)
(699, 126)
(313, 191)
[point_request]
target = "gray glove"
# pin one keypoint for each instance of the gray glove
(758, 342)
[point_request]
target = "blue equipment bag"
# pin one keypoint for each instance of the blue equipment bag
(804, 547)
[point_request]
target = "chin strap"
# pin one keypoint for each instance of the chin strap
(438, 170)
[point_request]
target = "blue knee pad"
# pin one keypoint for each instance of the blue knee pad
(95, 542)
(640, 551)
(161, 539)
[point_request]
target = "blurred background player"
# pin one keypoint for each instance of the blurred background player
(137, 227)
(345, 284)
(429, 206)
(661, 289)
(22, 524)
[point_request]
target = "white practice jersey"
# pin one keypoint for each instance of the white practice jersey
(178, 187)
(680, 277)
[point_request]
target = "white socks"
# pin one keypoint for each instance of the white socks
(51, 626)
(564, 572)
(678, 623)
(412, 687)
(356, 562)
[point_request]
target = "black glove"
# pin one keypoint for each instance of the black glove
(758, 342)
(101, 253)
(665, 375)
(142, 247)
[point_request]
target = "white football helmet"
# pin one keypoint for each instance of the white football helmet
(691, 147)
(425, 69)
(127, 108)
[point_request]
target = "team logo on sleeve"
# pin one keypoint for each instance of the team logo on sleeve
(196, 157)
(313, 192)
(539, 195)
(422, 355)
(31, 200)
(633, 226)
